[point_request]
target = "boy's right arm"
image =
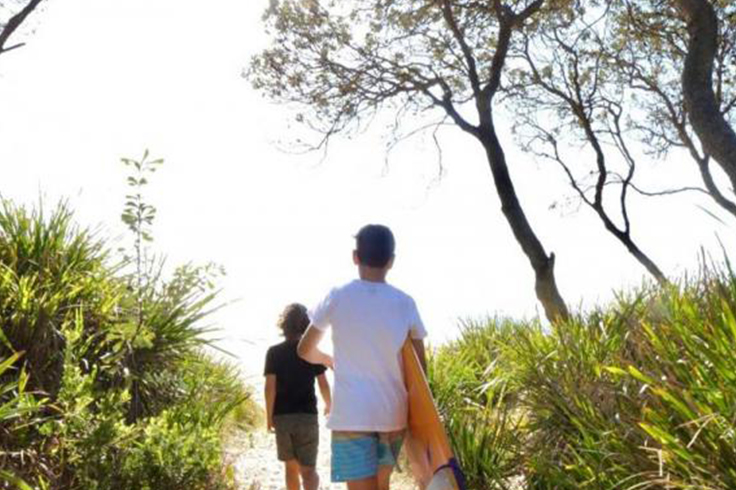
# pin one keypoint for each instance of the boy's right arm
(270, 400)
(421, 354)
(308, 348)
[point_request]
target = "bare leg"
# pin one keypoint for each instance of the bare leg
(310, 477)
(370, 483)
(384, 476)
(292, 474)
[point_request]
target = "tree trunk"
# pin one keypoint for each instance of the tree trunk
(555, 308)
(716, 135)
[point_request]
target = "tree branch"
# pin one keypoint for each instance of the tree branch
(532, 9)
(467, 51)
(14, 23)
(667, 192)
(716, 194)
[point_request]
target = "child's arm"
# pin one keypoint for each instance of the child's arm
(324, 389)
(270, 400)
(421, 354)
(308, 348)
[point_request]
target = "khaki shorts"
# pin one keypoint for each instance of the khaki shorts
(297, 437)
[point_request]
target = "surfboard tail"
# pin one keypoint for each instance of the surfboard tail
(448, 477)
(458, 473)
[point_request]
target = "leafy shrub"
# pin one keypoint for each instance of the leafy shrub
(114, 388)
(476, 396)
(15, 406)
(175, 451)
(638, 395)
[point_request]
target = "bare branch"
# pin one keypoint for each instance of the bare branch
(729, 106)
(396, 140)
(14, 23)
(718, 197)
(570, 89)
(667, 192)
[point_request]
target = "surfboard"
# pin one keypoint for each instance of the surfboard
(427, 446)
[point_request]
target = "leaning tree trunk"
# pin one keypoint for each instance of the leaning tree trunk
(554, 306)
(483, 93)
(716, 135)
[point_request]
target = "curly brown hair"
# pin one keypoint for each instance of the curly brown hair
(294, 321)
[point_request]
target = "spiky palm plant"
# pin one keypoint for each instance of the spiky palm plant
(49, 271)
(98, 380)
(476, 393)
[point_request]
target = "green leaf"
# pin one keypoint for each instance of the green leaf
(4, 341)
(7, 363)
(616, 370)
(640, 376)
(14, 480)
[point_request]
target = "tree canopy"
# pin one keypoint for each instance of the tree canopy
(612, 75)
(342, 62)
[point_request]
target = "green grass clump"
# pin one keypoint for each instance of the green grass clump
(639, 395)
(475, 392)
(103, 385)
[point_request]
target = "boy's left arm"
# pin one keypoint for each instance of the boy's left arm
(324, 389)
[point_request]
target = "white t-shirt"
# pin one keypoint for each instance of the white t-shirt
(370, 322)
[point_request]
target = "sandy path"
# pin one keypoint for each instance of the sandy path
(256, 467)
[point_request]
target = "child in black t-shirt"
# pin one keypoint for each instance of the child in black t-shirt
(291, 403)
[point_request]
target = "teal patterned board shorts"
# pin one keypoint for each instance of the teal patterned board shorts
(357, 455)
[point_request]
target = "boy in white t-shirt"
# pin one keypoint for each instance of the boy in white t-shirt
(370, 322)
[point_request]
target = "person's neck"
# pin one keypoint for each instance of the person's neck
(372, 274)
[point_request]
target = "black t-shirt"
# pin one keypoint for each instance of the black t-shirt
(294, 379)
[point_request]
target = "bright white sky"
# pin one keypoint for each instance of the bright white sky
(103, 79)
